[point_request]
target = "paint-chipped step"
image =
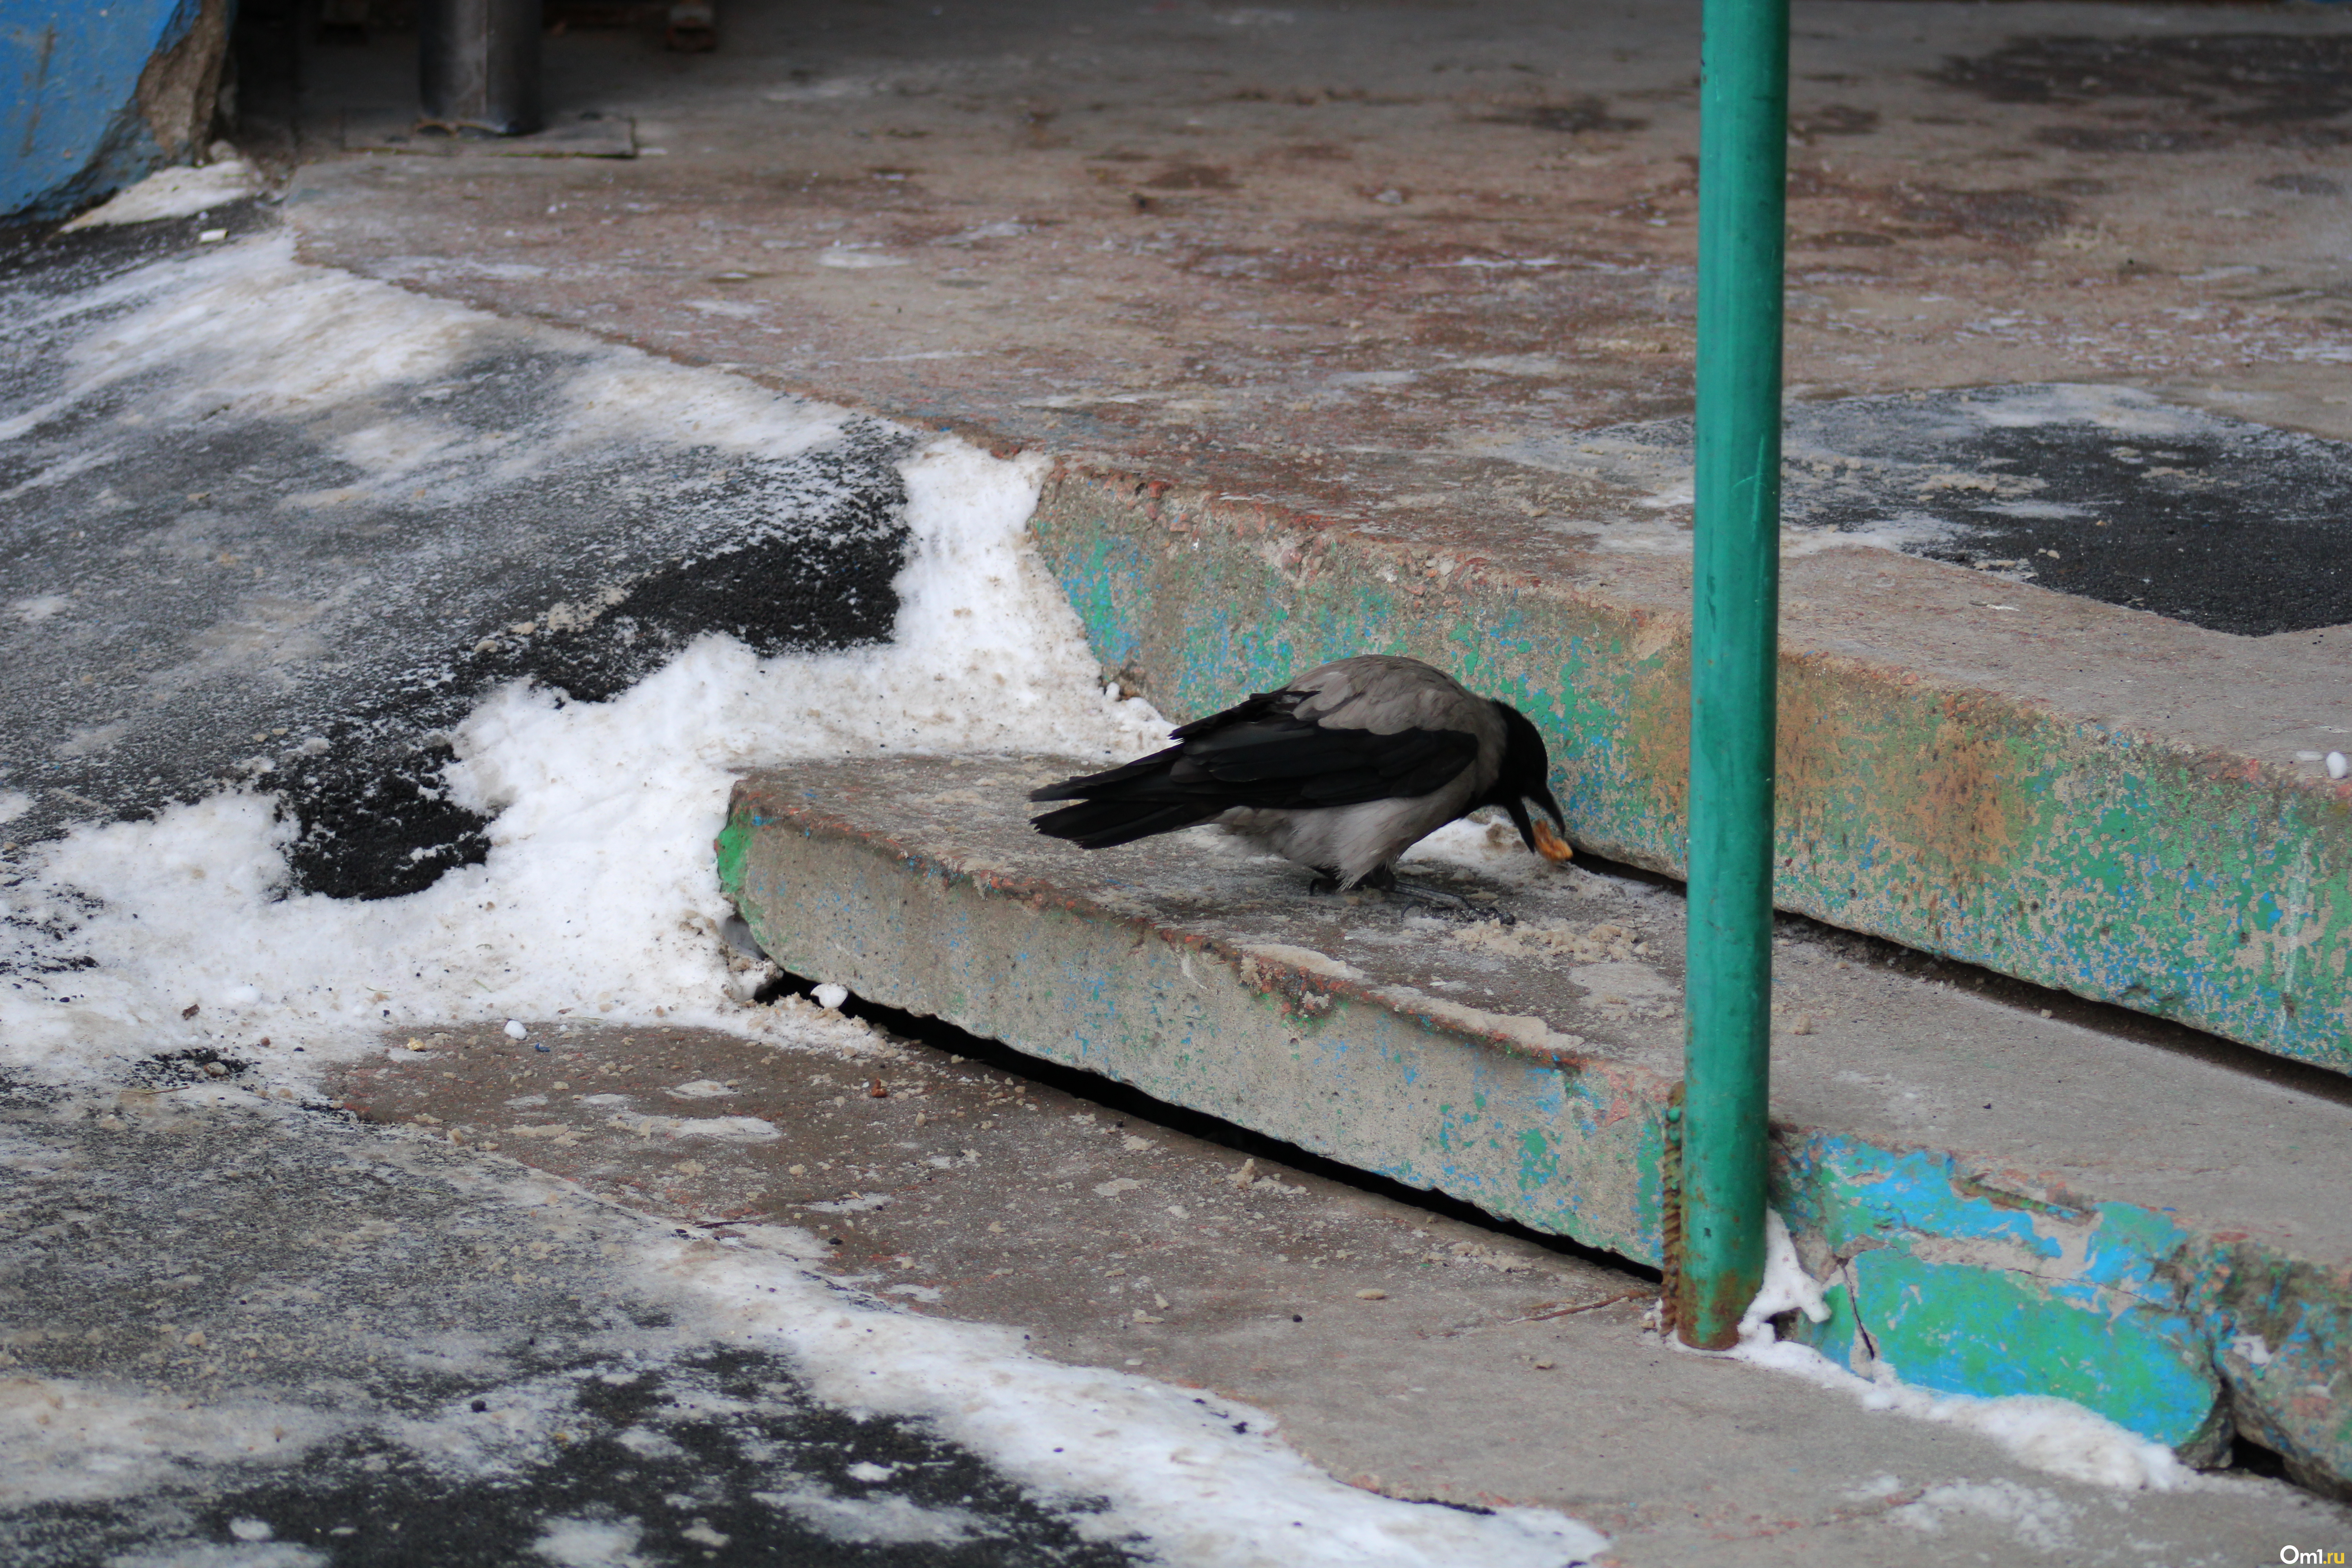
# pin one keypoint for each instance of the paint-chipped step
(2001, 1202)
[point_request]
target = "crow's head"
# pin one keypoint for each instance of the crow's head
(1525, 780)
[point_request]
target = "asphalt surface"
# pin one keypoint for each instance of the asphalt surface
(2227, 525)
(2102, 492)
(256, 589)
(273, 1337)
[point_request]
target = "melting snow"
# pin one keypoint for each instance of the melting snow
(2053, 1435)
(174, 192)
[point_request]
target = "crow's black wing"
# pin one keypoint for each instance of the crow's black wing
(1283, 763)
(1105, 824)
(1256, 754)
(1258, 705)
(1146, 771)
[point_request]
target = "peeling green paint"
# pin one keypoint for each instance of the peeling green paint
(2190, 886)
(733, 843)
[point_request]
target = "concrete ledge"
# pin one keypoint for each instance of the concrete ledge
(2001, 1202)
(2058, 789)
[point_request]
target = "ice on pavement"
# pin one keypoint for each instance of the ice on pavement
(598, 897)
(174, 192)
(1176, 1467)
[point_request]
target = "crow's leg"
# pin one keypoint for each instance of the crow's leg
(1325, 885)
(1385, 880)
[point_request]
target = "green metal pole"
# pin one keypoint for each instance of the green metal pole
(1735, 641)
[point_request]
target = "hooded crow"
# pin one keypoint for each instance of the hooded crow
(1342, 771)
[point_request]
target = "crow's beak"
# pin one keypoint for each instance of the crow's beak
(1550, 845)
(1535, 832)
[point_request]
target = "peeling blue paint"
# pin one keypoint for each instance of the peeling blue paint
(1967, 1284)
(70, 128)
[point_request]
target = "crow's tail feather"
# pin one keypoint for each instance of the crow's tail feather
(1144, 771)
(1103, 823)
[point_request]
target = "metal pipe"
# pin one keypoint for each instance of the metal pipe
(1735, 645)
(478, 66)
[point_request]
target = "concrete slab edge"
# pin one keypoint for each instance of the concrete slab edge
(1983, 1282)
(2198, 886)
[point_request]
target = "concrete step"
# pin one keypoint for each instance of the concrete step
(1999, 1201)
(2079, 794)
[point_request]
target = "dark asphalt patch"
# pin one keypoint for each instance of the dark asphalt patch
(178, 1069)
(39, 261)
(2227, 525)
(2243, 79)
(233, 597)
(2247, 531)
(2102, 492)
(718, 1457)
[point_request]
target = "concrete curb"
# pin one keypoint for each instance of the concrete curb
(1988, 1268)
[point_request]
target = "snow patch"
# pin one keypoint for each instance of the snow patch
(2056, 1436)
(731, 1129)
(609, 807)
(1787, 1287)
(876, 1521)
(589, 1544)
(173, 193)
(72, 1440)
(2036, 1518)
(253, 332)
(1171, 1466)
(864, 1202)
(857, 260)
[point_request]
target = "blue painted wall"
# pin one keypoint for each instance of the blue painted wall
(70, 127)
